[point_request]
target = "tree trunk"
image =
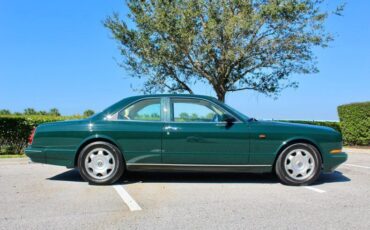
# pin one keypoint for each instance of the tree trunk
(221, 96)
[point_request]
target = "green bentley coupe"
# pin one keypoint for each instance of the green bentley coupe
(185, 133)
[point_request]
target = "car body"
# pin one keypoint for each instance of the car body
(183, 133)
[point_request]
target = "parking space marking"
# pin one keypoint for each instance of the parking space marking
(315, 189)
(130, 202)
(358, 166)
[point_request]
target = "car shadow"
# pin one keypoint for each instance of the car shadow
(334, 177)
(192, 177)
(73, 175)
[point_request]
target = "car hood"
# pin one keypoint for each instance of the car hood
(299, 126)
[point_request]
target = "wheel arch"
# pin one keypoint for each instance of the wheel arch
(290, 142)
(96, 138)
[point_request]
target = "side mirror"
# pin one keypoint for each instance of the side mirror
(228, 118)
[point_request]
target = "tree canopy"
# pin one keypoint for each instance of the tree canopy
(32, 111)
(5, 112)
(54, 112)
(88, 113)
(231, 45)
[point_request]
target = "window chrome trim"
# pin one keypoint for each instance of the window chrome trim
(136, 121)
(166, 109)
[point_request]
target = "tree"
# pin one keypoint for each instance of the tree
(30, 111)
(5, 112)
(230, 45)
(184, 116)
(42, 112)
(210, 116)
(194, 116)
(54, 112)
(89, 113)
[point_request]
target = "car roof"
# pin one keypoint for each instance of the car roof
(173, 95)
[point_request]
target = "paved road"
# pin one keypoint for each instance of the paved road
(35, 196)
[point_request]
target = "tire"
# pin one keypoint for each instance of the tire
(298, 164)
(101, 163)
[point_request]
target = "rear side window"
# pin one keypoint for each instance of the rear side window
(144, 110)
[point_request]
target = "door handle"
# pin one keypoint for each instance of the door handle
(170, 128)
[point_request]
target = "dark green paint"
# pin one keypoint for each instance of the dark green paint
(145, 142)
(206, 143)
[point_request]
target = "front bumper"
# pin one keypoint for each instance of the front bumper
(332, 161)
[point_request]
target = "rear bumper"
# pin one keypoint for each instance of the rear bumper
(334, 160)
(36, 154)
(53, 156)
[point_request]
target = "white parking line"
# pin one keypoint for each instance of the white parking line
(130, 202)
(358, 166)
(315, 189)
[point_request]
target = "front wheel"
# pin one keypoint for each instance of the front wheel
(298, 164)
(100, 163)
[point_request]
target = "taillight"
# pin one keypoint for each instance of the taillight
(30, 138)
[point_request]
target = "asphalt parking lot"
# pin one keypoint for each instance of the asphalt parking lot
(36, 196)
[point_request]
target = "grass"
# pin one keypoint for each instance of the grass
(12, 156)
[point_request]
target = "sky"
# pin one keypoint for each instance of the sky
(59, 54)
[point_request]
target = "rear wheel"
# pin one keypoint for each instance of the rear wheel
(100, 163)
(299, 164)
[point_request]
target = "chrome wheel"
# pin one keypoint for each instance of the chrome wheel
(299, 164)
(100, 163)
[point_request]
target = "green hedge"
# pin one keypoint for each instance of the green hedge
(355, 123)
(15, 130)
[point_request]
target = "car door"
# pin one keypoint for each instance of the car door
(194, 134)
(138, 129)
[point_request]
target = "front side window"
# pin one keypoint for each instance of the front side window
(193, 110)
(144, 110)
